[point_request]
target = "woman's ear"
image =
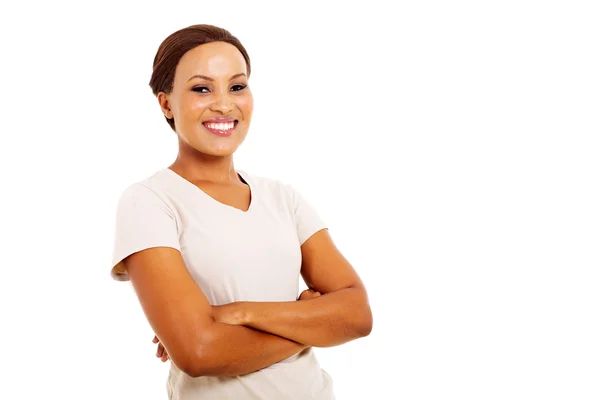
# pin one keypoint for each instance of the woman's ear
(165, 104)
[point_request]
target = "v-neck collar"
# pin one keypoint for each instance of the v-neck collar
(241, 174)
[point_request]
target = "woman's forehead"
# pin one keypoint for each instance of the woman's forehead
(214, 60)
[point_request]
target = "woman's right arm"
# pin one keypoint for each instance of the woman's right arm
(181, 316)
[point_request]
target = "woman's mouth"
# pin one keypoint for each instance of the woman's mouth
(222, 129)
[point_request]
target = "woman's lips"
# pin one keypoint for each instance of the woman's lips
(221, 128)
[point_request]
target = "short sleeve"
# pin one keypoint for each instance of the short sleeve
(143, 221)
(308, 220)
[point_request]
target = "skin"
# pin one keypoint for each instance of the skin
(162, 354)
(240, 337)
(204, 158)
(340, 315)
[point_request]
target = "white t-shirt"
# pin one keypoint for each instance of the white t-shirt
(233, 255)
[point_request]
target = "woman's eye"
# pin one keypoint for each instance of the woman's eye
(201, 89)
(237, 88)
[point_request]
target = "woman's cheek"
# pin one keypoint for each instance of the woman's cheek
(197, 105)
(246, 103)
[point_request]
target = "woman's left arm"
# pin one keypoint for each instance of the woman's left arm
(341, 314)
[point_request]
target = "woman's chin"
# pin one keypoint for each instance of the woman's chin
(218, 151)
(218, 148)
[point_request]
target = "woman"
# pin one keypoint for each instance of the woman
(215, 254)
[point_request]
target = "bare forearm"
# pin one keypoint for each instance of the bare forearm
(229, 350)
(324, 321)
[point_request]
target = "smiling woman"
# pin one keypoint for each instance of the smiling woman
(204, 87)
(215, 254)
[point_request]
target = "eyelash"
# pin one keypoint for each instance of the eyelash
(199, 89)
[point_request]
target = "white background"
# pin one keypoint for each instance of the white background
(452, 147)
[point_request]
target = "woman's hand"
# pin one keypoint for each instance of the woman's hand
(161, 352)
(308, 294)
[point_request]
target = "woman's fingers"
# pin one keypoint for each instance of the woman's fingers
(164, 356)
(308, 294)
(161, 352)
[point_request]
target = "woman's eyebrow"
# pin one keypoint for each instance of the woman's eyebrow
(208, 78)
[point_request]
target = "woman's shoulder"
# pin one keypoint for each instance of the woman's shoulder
(152, 185)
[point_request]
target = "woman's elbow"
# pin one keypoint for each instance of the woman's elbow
(197, 360)
(364, 324)
(196, 370)
(192, 364)
(208, 360)
(198, 365)
(363, 316)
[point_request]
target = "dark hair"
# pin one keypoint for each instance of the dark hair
(176, 45)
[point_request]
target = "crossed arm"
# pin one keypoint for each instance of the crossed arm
(243, 337)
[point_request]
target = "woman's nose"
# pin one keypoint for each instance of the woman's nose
(223, 103)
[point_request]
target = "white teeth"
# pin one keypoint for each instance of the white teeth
(221, 126)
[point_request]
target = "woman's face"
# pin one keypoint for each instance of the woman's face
(211, 102)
